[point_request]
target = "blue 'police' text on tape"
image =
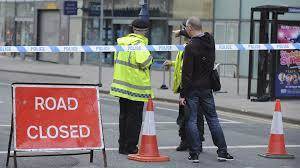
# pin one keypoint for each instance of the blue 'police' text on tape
(112, 48)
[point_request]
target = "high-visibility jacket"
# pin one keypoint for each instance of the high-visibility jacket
(132, 70)
(177, 72)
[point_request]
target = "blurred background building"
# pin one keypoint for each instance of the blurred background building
(42, 22)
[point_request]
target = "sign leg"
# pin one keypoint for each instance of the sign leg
(91, 156)
(104, 157)
(15, 159)
(9, 142)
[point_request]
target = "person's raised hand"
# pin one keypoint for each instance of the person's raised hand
(176, 32)
(167, 63)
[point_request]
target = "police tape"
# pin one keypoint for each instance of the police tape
(117, 48)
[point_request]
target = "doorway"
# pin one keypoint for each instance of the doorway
(48, 33)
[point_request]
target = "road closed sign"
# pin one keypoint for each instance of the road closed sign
(56, 117)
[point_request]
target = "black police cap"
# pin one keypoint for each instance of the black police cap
(140, 23)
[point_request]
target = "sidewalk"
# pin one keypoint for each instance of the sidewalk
(229, 102)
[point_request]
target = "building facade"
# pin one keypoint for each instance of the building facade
(42, 22)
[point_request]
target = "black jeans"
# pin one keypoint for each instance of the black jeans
(205, 99)
(181, 123)
(130, 122)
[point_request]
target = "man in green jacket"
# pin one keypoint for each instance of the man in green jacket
(177, 64)
(131, 84)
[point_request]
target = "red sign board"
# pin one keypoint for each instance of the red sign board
(56, 117)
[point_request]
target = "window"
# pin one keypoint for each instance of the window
(126, 8)
(158, 8)
(182, 9)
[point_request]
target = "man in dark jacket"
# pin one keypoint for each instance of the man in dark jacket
(198, 63)
(184, 145)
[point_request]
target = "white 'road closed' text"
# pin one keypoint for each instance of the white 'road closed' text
(50, 103)
(53, 132)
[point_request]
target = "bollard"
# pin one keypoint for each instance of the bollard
(170, 78)
(100, 71)
(238, 79)
(164, 86)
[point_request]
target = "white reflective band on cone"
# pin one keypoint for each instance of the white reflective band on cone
(277, 127)
(149, 124)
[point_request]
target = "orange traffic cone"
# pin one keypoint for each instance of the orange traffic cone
(148, 150)
(276, 148)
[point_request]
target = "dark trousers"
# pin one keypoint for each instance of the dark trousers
(130, 122)
(205, 99)
(182, 115)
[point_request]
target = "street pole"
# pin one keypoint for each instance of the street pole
(101, 38)
(15, 28)
(144, 13)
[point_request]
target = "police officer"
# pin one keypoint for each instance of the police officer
(176, 89)
(131, 83)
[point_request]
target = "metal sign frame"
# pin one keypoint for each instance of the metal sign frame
(12, 135)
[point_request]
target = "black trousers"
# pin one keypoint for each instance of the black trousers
(182, 115)
(130, 122)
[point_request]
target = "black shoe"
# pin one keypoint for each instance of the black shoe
(133, 151)
(123, 151)
(222, 157)
(182, 146)
(194, 158)
(127, 151)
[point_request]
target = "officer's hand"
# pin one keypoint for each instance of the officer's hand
(167, 63)
(176, 32)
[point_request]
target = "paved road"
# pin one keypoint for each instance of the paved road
(246, 137)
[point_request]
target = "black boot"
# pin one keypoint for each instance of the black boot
(123, 151)
(182, 146)
(128, 150)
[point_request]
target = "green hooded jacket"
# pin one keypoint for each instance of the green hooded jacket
(131, 78)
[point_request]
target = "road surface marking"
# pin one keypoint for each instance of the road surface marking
(230, 147)
(174, 123)
(242, 116)
(226, 120)
(256, 119)
(163, 122)
(227, 114)
(5, 84)
(163, 108)
(1, 101)
(176, 110)
(204, 147)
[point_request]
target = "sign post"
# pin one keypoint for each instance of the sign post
(56, 117)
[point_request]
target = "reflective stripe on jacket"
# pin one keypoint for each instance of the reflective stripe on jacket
(177, 72)
(132, 71)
